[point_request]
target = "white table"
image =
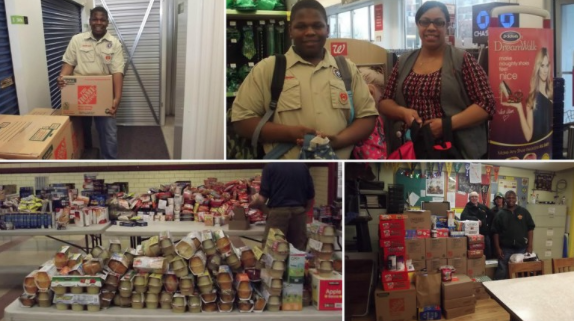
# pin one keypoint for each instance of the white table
(16, 313)
(178, 229)
(538, 298)
(93, 231)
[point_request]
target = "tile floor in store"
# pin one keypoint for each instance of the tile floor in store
(21, 255)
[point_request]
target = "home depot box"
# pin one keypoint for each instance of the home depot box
(397, 305)
(434, 264)
(87, 95)
(457, 312)
(415, 249)
(35, 137)
(476, 267)
(463, 287)
(459, 264)
(418, 220)
(435, 248)
(327, 292)
(77, 132)
(455, 247)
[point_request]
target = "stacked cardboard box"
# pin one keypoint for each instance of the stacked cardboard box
(457, 297)
(417, 229)
(395, 275)
(399, 305)
(456, 250)
(479, 289)
(76, 134)
(476, 263)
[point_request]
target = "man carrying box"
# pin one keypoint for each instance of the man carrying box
(96, 53)
(513, 230)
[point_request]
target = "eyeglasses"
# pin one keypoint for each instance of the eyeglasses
(439, 23)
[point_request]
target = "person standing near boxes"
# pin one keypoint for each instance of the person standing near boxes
(289, 192)
(95, 53)
(513, 230)
(474, 211)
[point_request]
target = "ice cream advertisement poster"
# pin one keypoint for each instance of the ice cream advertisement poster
(520, 70)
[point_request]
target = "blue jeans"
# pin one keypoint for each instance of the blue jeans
(502, 270)
(108, 136)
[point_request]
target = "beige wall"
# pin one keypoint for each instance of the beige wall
(141, 181)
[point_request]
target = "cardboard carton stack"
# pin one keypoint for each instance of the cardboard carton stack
(395, 275)
(75, 135)
(277, 251)
(476, 263)
(457, 297)
(456, 251)
(479, 289)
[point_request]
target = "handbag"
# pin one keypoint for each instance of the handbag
(427, 147)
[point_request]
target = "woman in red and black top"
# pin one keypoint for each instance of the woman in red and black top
(425, 86)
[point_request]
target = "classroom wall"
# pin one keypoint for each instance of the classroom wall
(141, 181)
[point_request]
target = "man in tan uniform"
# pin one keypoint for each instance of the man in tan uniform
(93, 53)
(314, 99)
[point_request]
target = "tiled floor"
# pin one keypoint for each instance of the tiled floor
(21, 255)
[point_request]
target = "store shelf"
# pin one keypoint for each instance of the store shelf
(14, 312)
(256, 14)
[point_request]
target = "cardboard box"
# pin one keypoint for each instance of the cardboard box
(418, 220)
(435, 248)
(419, 264)
(476, 267)
(35, 137)
(458, 302)
(396, 305)
(455, 247)
(295, 266)
(457, 312)
(475, 254)
(240, 221)
(327, 292)
(481, 294)
(77, 132)
(416, 249)
(459, 264)
(463, 287)
(87, 95)
(434, 264)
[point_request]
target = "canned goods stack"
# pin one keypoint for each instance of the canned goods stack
(394, 275)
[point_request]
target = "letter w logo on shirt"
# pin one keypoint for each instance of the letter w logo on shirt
(87, 95)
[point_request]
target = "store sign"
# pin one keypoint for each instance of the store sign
(19, 20)
(339, 48)
(481, 20)
(522, 125)
(379, 17)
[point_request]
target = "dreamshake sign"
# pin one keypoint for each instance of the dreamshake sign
(520, 72)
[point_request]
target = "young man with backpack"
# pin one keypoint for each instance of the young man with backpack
(313, 99)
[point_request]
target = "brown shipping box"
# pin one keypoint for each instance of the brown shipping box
(459, 302)
(480, 293)
(435, 248)
(397, 305)
(459, 264)
(415, 249)
(418, 220)
(455, 247)
(419, 265)
(35, 137)
(434, 264)
(457, 312)
(476, 267)
(463, 287)
(87, 95)
(76, 134)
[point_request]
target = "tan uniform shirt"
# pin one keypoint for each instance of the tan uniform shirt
(312, 96)
(92, 57)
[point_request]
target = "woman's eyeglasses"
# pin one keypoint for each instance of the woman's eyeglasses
(439, 23)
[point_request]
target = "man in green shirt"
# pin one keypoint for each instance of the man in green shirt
(513, 230)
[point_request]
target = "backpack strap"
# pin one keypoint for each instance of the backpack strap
(347, 79)
(276, 88)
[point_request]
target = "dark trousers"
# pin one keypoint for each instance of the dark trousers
(292, 221)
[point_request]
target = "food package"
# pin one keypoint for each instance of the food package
(151, 264)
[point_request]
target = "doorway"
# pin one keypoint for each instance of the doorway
(564, 24)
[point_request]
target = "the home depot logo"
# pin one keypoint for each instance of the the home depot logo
(87, 95)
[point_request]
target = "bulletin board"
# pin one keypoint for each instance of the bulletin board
(459, 183)
(418, 186)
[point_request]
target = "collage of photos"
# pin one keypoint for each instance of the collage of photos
(357, 160)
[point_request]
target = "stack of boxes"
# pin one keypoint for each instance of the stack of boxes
(395, 275)
(476, 260)
(457, 297)
(326, 284)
